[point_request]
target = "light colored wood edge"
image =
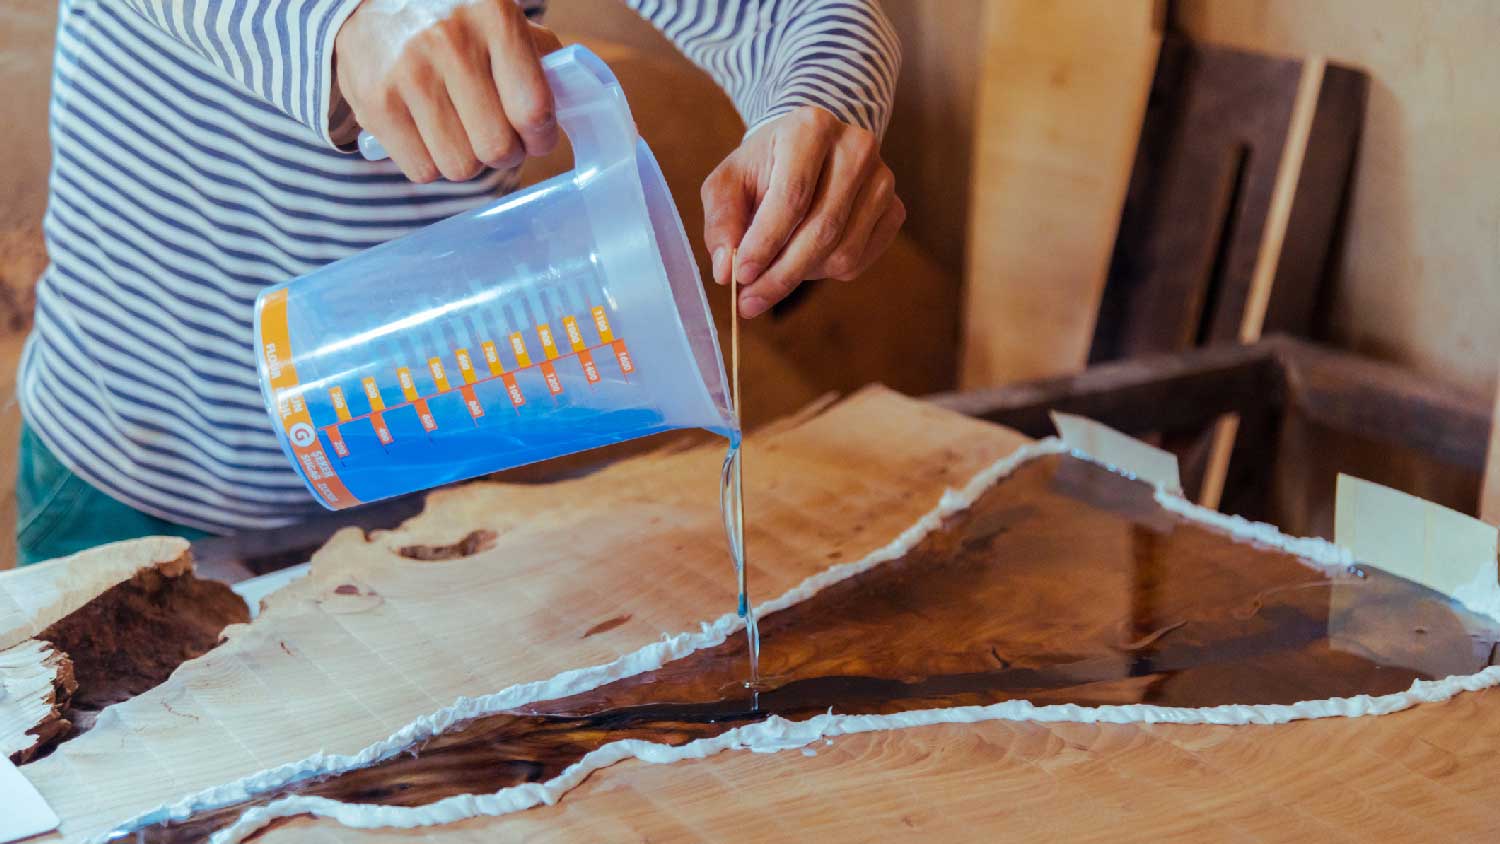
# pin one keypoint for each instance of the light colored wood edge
(78, 579)
(36, 681)
(1267, 260)
(987, 358)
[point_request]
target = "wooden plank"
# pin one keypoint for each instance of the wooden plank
(1198, 221)
(1257, 297)
(1175, 392)
(1489, 491)
(1230, 220)
(1145, 395)
(1371, 399)
(1061, 95)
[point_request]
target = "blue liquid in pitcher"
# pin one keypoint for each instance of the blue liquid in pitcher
(462, 447)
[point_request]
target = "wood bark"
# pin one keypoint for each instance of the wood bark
(99, 628)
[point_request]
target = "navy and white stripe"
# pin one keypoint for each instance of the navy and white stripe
(194, 163)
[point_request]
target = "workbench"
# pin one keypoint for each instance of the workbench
(373, 638)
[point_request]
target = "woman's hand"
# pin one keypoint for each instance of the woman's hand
(805, 196)
(448, 86)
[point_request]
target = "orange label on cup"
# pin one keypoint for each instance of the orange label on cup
(372, 392)
(465, 365)
(513, 390)
(554, 384)
(408, 386)
(601, 322)
(471, 401)
(296, 421)
(575, 336)
(424, 415)
(382, 431)
(492, 357)
(549, 345)
(590, 371)
(340, 407)
(336, 439)
(623, 356)
(439, 375)
(518, 345)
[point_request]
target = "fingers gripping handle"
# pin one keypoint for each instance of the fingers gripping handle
(591, 109)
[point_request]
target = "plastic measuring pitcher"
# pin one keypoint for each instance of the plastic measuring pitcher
(560, 318)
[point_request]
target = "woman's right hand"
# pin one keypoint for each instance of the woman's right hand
(448, 86)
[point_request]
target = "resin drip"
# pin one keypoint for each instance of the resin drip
(732, 502)
(1063, 583)
(732, 494)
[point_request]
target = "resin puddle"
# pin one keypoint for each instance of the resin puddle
(1062, 583)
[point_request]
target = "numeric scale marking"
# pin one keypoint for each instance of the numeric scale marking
(577, 348)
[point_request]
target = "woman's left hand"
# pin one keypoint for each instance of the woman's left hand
(805, 196)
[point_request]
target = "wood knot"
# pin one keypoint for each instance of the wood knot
(605, 626)
(476, 541)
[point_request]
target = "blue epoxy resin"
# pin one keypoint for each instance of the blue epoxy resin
(732, 502)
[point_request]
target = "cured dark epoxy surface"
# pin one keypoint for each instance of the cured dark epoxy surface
(1064, 583)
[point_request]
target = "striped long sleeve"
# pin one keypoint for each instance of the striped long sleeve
(192, 166)
(772, 56)
(281, 51)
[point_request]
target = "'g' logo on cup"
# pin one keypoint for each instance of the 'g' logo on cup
(301, 435)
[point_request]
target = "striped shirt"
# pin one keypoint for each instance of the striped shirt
(194, 163)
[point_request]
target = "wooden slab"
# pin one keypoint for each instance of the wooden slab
(372, 639)
(1424, 775)
(1060, 98)
(81, 633)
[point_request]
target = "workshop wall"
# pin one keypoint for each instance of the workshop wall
(26, 28)
(1419, 281)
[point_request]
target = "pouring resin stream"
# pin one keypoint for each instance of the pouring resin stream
(732, 495)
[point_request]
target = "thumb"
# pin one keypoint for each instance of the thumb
(728, 205)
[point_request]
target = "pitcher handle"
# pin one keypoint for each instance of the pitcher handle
(591, 109)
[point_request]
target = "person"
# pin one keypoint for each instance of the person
(201, 151)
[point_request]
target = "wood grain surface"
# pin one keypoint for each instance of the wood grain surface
(1061, 95)
(373, 638)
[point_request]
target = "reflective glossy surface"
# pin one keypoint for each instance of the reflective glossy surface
(1063, 584)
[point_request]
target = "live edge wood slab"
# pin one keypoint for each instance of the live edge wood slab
(82, 633)
(582, 571)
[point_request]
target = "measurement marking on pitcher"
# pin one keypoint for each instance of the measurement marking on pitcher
(465, 365)
(408, 386)
(340, 406)
(439, 374)
(378, 407)
(518, 347)
(580, 348)
(549, 351)
(336, 440)
(607, 337)
(372, 392)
